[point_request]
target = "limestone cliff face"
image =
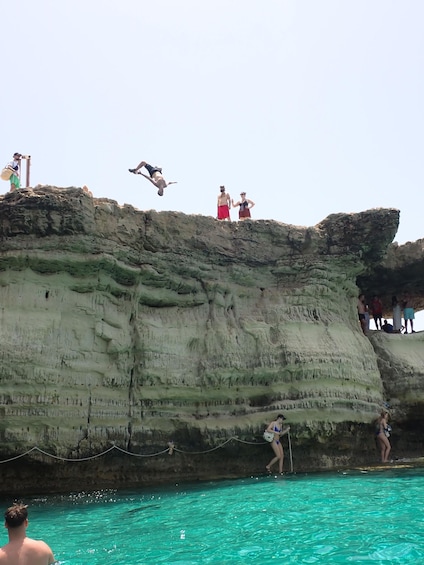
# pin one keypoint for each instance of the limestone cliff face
(130, 328)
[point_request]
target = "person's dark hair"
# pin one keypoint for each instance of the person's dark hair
(222, 188)
(16, 515)
(281, 416)
(394, 300)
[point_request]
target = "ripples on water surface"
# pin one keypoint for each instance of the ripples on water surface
(347, 517)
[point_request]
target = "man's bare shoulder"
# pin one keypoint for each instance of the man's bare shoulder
(26, 552)
(3, 554)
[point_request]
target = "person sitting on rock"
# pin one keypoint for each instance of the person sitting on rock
(155, 177)
(386, 327)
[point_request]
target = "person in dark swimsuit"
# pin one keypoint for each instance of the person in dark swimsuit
(361, 313)
(276, 428)
(245, 205)
(155, 177)
(382, 434)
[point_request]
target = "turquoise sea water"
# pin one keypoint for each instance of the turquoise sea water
(348, 517)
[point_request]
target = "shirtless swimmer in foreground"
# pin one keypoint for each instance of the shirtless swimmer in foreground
(22, 550)
(155, 177)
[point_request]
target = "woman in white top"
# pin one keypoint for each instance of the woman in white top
(15, 166)
(397, 315)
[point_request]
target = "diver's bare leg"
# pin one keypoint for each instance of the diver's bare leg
(142, 164)
(148, 178)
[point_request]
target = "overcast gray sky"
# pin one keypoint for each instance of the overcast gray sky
(311, 107)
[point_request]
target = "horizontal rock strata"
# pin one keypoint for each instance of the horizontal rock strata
(129, 328)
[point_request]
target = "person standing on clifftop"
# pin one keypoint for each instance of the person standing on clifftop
(245, 205)
(15, 166)
(22, 550)
(224, 205)
(155, 177)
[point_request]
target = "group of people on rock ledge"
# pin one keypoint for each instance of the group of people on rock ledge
(274, 432)
(375, 309)
(225, 202)
(224, 199)
(23, 550)
(11, 172)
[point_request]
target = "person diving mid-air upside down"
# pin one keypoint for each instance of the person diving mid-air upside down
(155, 177)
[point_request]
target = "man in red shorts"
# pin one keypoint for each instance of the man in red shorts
(224, 204)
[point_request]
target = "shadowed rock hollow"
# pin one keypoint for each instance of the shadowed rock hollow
(131, 329)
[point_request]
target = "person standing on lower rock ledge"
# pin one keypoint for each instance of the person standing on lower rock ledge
(377, 311)
(155, 177)
(397, 315)
(22, 550)
(276, 428)
(382, 434)
(408, 313)
(361, 313)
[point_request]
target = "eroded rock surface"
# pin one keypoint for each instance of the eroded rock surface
(132, 328)
(400, 272)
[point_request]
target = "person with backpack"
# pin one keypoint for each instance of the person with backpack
(13, 171)
(276, 428)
